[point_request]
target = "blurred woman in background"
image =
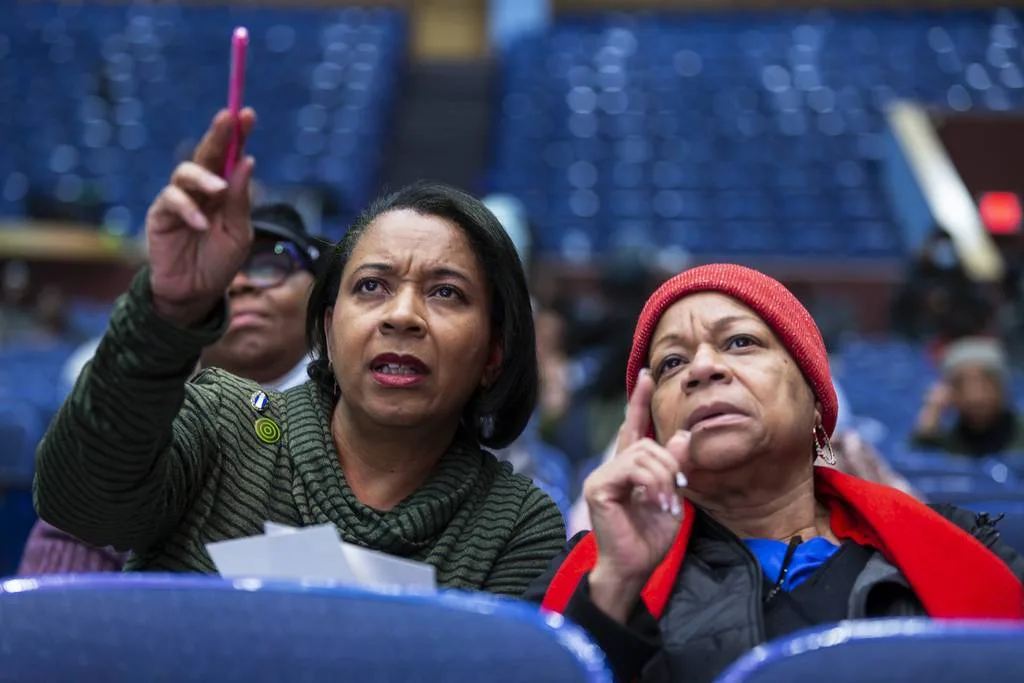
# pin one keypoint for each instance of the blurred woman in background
(975, 374)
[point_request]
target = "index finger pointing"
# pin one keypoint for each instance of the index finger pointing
(212, 151)
(213, 146)
(638, 412)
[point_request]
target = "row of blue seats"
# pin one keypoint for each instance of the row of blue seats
(992, 484)
(120, 86)
(579, 239)
(187, 630)
(760, 97)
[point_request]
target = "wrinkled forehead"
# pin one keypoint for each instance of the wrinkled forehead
(408, 240)
(698, 315)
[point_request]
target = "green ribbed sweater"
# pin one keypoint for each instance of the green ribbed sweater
(142, 459)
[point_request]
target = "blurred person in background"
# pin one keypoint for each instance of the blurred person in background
(600, 337)
(1010, 314)
(556, 391)
(974, 392)
(53, 317)
(549, 325)
(265, 342)
(938, 302)
(424, 356)
(530, 455)
(17, 320)
(267, 300)
(856, 456)
(27, 320)
(628, 283)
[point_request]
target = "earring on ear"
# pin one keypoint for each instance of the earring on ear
(336, 389)
(823, 445)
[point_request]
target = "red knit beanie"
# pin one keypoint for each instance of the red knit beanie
(776, 305)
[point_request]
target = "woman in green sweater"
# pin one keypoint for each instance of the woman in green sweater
(422, 335)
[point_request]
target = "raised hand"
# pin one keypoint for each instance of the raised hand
(635, 507)
(198, 229)
(940, 396)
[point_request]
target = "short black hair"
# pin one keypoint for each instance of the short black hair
(512, 399)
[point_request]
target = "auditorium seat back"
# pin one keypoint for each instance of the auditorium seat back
(890, 650)
(181, 629)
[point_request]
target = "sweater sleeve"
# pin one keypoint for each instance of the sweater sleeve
(539, 535)
(129, 448)
(51, 551)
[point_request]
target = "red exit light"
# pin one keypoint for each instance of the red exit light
(1001, 212)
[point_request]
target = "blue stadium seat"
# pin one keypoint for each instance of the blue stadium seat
(180, 629)
(774, 121)
(953, 488)
(21, 428)
(125, 89)
(17, 515)
(894, 651)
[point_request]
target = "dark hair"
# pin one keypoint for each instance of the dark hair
(509, 403)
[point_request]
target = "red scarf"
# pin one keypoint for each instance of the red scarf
(951, 573)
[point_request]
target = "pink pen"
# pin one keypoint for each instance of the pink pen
(236, 91)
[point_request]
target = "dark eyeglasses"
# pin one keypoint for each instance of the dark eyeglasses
(268, 266)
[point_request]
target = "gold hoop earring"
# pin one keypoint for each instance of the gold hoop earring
(823, 445)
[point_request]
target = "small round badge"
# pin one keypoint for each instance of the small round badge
(259, 401)
(267, 430)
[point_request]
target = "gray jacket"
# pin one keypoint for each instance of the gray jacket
(716, 612)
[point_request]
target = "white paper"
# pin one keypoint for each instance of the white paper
(274, 529)
(379, 569)
(241, 557)
(317, 554)
(313, 554)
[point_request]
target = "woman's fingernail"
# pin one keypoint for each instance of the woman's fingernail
(681, 480)
(198, 220)
(677, 507)
(643, 373)
(214, 183)
(664, 502)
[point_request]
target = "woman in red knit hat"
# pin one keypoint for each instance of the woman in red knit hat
(714, 531)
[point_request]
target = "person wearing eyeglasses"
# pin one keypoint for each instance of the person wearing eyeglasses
(265, 339)
(264, 342)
